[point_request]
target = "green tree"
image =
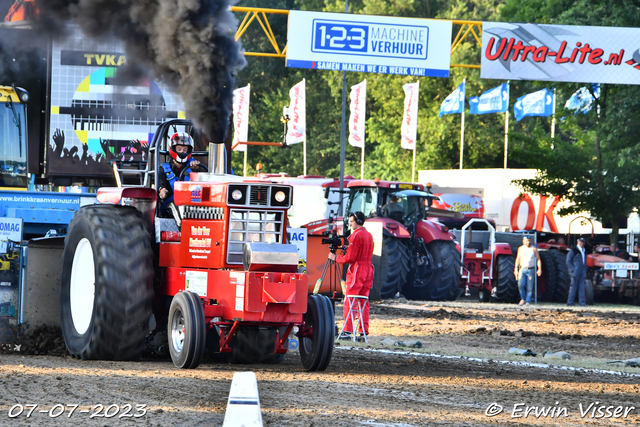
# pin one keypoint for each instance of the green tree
(593, 162)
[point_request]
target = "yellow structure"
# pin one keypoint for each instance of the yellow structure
(467, 30)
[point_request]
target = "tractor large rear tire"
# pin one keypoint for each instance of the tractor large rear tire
(106, 283)
(548, 279)
(507, 291)
(445, 282)
(395, 264)
(316, 350)
(186, 330)
(563, 279)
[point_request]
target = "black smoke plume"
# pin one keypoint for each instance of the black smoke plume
(187, 44)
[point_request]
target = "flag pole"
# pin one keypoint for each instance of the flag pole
(506, 137)
(462, 131)
(506, 128)
(362, 163)
(304, 143)
(244, 168)
(553, 119)
(413, 169)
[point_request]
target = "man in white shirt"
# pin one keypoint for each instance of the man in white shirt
(526, 261)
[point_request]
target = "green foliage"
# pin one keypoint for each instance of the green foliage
(593, 161)
(438, 138)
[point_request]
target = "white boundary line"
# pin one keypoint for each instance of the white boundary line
(502, 362)
(243, 406)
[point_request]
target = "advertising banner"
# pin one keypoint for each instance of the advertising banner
(371, 44)
(297, 126)
(101, 111)
(561, 53)
(358, 110)
(409, 128)
(241, 117)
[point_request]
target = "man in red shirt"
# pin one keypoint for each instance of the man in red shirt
(360, 272)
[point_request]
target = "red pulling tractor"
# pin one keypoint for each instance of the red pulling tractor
(217, 274)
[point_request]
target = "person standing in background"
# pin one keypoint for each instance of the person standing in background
(577, 265)
(525, 268)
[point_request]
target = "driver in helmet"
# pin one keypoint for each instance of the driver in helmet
(180, 149)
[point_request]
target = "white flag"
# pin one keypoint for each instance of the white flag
(410, 117)
(297, 126)
(358, 114)
(241, 117)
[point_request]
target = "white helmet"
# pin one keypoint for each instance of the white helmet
(181, 138)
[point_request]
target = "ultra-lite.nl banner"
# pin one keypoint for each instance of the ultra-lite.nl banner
(561, 53)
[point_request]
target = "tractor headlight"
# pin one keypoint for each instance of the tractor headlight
(237, 194)
(280, 197)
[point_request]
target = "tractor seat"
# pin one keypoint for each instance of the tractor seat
(475, 247)
(397, 216)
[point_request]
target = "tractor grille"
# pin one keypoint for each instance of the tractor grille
(252, 226)
(201, 212)
(259, 195)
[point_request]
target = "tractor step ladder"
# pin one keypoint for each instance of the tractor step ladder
(356, 304)
(123, 168)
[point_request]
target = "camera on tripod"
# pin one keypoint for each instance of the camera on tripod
(335, 243)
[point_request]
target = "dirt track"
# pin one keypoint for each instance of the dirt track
(370, 385)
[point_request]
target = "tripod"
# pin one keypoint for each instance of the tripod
(334, 272)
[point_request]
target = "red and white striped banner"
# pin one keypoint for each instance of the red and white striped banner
(297, 126)
(241, 117)
(410, 117)
(358, 114)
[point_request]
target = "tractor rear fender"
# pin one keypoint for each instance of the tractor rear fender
(430, 231)
(142, 198)
(390, 227)
(503, 249)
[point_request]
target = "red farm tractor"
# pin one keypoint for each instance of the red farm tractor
(215, 273)
(412, 255)
(486, 264)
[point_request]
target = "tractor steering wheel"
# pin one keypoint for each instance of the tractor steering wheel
(185, 169)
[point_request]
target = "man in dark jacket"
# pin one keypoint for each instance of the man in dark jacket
(577, 264)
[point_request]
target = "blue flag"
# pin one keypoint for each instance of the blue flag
(454, 103)
(540, 103)
(495, 100)
(582, 100)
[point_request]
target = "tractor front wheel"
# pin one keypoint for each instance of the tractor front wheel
(316, 345)
(106, 283)
(186, 330)
(588, 292)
